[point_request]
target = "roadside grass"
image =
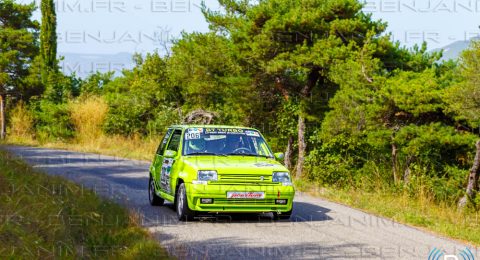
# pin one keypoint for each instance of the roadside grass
(44, 217)
(87, 115)
(420, 211)
(132, 148)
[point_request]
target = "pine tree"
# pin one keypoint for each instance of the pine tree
(18, 47)
(48, 39)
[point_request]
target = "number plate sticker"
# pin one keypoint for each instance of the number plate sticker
(245, 195)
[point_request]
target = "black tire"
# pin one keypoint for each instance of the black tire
(282, 216)
(154, 199)
(181, 205)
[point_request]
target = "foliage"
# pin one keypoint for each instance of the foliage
(18, 46)
(209, 76)
(52, 120)
(464, 96)
(48, 39)
(94, 84)
(140, 97)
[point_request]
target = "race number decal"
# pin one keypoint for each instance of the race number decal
(165, 174)
(192, 136)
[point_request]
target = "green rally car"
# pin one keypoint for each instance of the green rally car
(214, 169)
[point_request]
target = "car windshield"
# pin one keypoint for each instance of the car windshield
(225, 141)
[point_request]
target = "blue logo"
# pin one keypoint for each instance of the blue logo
(437, 254)
(466, 254)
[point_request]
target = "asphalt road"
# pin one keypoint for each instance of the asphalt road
(319, 229)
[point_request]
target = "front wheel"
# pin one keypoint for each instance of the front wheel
(154, 199)
(183, 212)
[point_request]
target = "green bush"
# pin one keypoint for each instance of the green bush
(434, 146)
(128, 114)
(335, 161)
(163, 118)
(131, 114)
(52, 121)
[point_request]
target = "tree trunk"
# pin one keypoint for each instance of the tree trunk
(408, 171)
(302, 147)
(3, 127)
(394, 162)
(305, 93)
(289, 153)
(472, 187)
(406, 175)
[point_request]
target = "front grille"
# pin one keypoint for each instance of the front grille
(245, 201)
(245, 179)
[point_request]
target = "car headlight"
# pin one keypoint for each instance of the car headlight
(207, 176)
(282, 177)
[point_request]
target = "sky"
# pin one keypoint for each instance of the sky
(115, 26)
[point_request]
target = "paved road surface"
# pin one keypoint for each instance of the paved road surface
(318, 229)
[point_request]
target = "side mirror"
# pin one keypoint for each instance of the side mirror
(170, 154)
(279, 156)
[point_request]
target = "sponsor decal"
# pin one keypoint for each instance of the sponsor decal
(165, 174)
(195, 130)
(245, 195)
(252, 133)
(167, 136)
(224, 131)
(264, 165)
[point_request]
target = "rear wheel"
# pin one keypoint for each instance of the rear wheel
(282, 216)
(154, 199)
(183, 212)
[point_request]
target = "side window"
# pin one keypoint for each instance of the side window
(175, 141)
(163, 144)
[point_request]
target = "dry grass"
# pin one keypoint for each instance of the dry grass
(132, 148)
(21, 122)
(88, 115)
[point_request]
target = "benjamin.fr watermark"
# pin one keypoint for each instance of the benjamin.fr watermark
(439, 254)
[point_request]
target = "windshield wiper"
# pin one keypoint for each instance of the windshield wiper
(202, 154)
(249, 154)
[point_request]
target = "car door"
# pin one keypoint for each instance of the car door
(158, 160)
(167, 176)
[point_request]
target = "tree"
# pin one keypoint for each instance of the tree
(205, 68)
(295, 42)
(142, 101)
(464, 102)
(48, 39)
(464, 97)
(18, 47)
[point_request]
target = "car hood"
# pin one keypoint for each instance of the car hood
(234, 164)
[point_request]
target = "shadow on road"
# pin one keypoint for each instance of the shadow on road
(233, 248)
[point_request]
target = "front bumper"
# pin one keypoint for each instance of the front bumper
(218, 193)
